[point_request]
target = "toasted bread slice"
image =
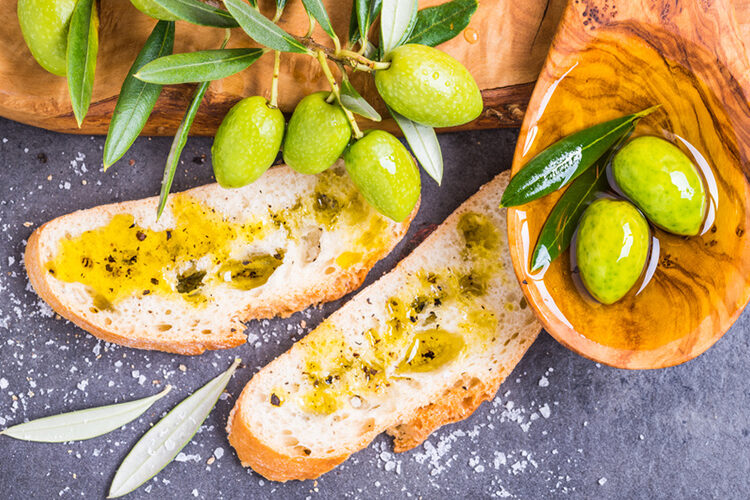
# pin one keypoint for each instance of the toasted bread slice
(421, 347)
(216, 258)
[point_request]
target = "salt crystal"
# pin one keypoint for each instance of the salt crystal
(3, 383)
(543, 382)
(545, 411)
(603, 481)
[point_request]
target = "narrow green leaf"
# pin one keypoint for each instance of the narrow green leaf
(441, 23)
(197, 12)
(354, 32)
(280, 4)
(261, 29)
(178, 144)
(158, 447)
(353, 101)
(424, 144)
(137, 98)
(83, 46)
(366, 11)
(558, 230)
(397, 19)
(317, 10)
(201, 66)
(83, 424)
(565, 160)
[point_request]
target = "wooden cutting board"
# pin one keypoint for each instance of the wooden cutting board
(504, 47)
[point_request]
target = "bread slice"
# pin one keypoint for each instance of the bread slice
(214, 259)
(423, 346)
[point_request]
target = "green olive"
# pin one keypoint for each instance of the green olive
(663, 182)
(153, 9)
(385, 173)
(44, 24)
(428, 86)
(247, 142)
(611, 249)
(317, 134)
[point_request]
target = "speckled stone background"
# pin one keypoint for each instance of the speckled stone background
(560, 427)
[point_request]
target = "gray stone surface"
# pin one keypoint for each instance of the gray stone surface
(561, 426)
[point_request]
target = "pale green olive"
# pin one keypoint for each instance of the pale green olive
(663, 182)
(385, 173)
(247, 142)
(428, 86)
(611, 249)
(317, 134)
(44, 24)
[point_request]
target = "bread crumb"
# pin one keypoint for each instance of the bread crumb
(183, 368)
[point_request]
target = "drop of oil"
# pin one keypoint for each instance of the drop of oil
(471, 35)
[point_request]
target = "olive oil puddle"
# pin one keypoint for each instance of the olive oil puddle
(436, 318)
(122, 259)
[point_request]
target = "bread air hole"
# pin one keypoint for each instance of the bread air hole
(206, 332)
(330, 270)
(163, 327)
(311, 239)
(302, 451)
(291, 441)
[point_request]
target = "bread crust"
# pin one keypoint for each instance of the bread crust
(268, 462)
(233, 336)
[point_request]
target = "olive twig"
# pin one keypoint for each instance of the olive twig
(336, 92)
(347, 57)
(360, 58)
(275, 79)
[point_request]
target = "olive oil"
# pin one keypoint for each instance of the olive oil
(122, 259)
(437, 317)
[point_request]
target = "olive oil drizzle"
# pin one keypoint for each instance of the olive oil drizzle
(122, 259)
(417, 335)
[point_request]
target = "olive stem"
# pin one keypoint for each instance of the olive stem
(275, 80)
(312, 26)
(347, 57)
(337, 93)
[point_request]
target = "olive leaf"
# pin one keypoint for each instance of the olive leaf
(558, 229)
(316, 9)
(137, 98)
(180, 139)
(83, 46)
(83, 424)
(280, 4)
(178, 144)
(424, 144)
(353, 101)
(158, 447)
(441, 23)
(201, 66)
(397, 19)
(197, 12)
(566, 159)
(365, 12)
(263, 30)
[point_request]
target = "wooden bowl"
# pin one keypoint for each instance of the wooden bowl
(611, 58)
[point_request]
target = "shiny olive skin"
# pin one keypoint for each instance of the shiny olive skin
(153, 9)
(44, 24)
(317, 134)
(247, 142)
(428, 86)
(611, 248)
(663, 182)
(385, 173)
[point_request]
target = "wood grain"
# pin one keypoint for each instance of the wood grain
(610, 58)
(513, 39)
